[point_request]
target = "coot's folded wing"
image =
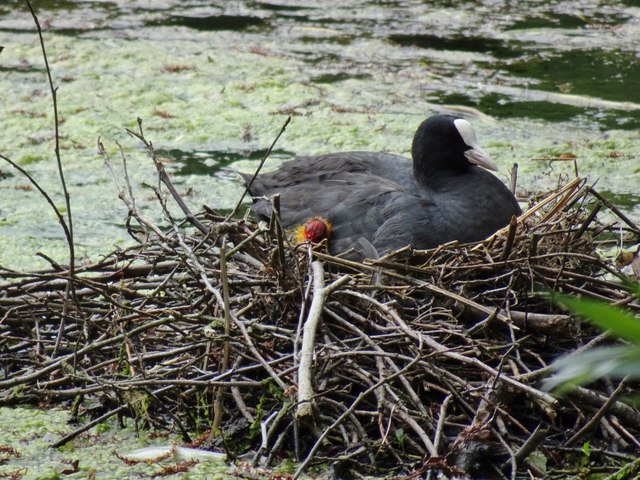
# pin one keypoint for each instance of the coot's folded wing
(332, 166)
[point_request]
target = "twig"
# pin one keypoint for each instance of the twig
(598, 415)
(616, 210)
(587, 221)
(437, 436)
(217, 406)
(511, 235)
(348, 412)
(89, 425)
(276, 225)
(257, 354)
(68, 225)
(409, 420)
(305, 368)
(56, 125)
(297, 342)
(513, 178)
(129, 200)
(247, 187)
(61, 220)
(164, 178)
(532, 442)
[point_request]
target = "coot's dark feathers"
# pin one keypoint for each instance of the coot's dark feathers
(387, 201)
(319, 168)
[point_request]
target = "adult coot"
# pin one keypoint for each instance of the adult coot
(377, 202)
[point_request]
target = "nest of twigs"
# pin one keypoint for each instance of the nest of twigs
(417, 362)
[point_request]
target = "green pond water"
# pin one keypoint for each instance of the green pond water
(214, 84)
(215, 81)
(25, 436)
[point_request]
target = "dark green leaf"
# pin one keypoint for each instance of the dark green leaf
(608, 317)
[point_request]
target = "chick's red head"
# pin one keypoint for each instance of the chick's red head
(314, 230)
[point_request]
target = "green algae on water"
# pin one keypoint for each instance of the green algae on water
(28, 432)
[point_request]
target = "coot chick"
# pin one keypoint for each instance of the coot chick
(386, 201)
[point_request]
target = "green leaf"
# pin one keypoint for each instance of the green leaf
(538, 459)
(617, 362)
(608, 317)
(586, 449)
(584, 367)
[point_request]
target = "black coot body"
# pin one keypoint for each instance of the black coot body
(387, 201)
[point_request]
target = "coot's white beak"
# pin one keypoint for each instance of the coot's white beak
(479, 157)
(475, 154)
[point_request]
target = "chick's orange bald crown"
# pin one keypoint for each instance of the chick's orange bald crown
(314, 230)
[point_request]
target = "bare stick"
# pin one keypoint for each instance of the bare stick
(437, 437)
(217, 411)
(164, 178)
(305, 369)
(598, 415)
(296, 344)
(68, 228)
(46, 196)
(409, 420)
(56, 123)
(87, 426)
(511, 235)
(129, 200)
(348, 412)
(538, 435)
(264, 159)
(257, 355)
(616, 210)
(514, 178)
(277, 224)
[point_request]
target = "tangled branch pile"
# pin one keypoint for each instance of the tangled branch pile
(421, 361)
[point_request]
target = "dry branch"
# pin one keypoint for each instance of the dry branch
(305, 369)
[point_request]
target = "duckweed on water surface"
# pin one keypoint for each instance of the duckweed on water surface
(28, 432)
(361, 78)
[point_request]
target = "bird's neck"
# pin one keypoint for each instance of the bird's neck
(436, 172)
(438, 180)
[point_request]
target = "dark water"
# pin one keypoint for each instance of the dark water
(215, 80)
(580, 48)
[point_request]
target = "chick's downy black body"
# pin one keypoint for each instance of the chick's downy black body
(388, 201)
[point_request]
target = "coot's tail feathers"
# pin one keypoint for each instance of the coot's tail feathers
(317, 175)
(246, 178)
